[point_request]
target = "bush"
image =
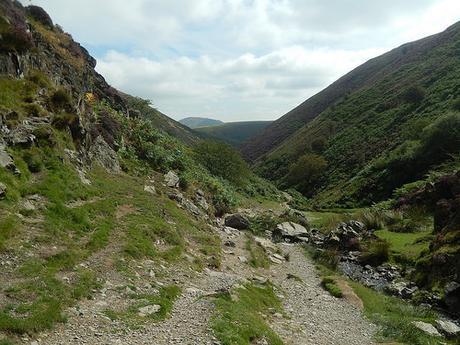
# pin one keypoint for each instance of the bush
(33, 160)
(61, 100)
(328, 258)
(64, 120)
(414, 94)
(223, 161)
(306, 172)
(376, 254)
(456, 104)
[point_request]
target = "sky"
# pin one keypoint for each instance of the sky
(240, 60)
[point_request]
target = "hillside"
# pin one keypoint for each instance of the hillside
(371, 128)
(234, 133)
(197, 122)
(118, 225)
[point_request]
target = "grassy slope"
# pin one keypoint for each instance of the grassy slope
(197, 122)
(234, 133)
(373, 119)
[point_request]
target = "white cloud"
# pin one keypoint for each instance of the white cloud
(240, 59)
(266, 85)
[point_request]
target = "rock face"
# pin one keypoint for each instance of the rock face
(171, 179)
(290, 232)
(103, 154)
(237, 221)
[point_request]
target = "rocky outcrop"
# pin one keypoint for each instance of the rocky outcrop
(100, 152)
(171, 179)
(237, 221)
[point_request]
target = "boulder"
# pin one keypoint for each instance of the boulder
(427, 328)
(448, 328)
(2, 190)
(237, 221)
(171, 179)
(290, 232)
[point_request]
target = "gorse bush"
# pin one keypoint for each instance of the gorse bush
(223, 161)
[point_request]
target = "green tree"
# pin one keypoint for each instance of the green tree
(223, 161)
(305, 173)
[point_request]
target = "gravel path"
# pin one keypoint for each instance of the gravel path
(313, 316)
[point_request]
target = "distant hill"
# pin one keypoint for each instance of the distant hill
(234, 133)
(197, 122)
(389, 122)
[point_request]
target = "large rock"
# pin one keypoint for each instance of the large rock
(427, 328)
(290, 232)
(448, 328)
(237, 221)
(103, 154)
(171, 179)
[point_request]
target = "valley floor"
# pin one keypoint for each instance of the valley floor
(311, 315)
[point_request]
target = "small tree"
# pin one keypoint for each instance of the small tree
(304, 173)
(223, 161)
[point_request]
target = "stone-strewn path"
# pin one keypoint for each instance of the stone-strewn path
(312, 315)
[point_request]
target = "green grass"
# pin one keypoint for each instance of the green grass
(406, 245)
(394, 317)
(9, 226)
(238, 321)
(50, 297)
(329, 284)
(165, 299)
(257, 255)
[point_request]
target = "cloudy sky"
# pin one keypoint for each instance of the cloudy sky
(240, 59)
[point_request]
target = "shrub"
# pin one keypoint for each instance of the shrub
(64, 120)
(414, 94)
(456, 104)
(61, 100)
(223, 161)
(328, 258)
(33, 160)
(376, 254)
(306, 172)
(318, 145)
(39, 79)
(14, 38)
